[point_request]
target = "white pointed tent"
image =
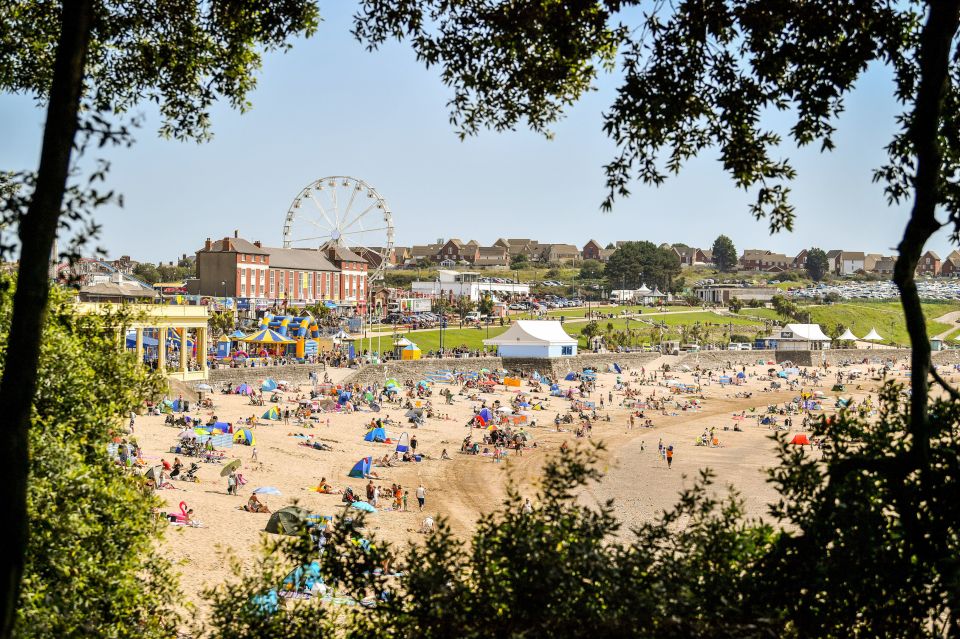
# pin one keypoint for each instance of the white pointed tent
(643, 290)
(848, 336)
(872, 336)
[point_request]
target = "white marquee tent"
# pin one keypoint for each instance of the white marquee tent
(534, 338)
(873, 336)
(847, 335)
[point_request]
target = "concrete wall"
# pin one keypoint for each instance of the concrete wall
(728, 359)
(417, 369)
(297, 373)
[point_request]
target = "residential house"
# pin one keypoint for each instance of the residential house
(929, 264)
(751, 259)
(606, 253)
(690, 256)
(870, 262)
(591, 250)
(491, 257)
(833, 256)
(800, 260)
(764, 260)
(850, 262)
(884, 265)
(421, 252)
(559, 253)
(951, 265)
(451, 250)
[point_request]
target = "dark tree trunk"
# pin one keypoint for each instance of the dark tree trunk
(37, 232)
(934, 58)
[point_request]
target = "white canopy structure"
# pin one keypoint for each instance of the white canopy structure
(643, 290)
(534, 338)
(801, 337)
(873, 336)
(848, 336)
(340, 336)
(811, 332)
(402, 342)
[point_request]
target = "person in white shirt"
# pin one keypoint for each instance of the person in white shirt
(421, 496)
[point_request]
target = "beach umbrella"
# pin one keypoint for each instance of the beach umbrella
(364, 506)
(204, 387)
(266, 490)
(231, 466)
(188, 434)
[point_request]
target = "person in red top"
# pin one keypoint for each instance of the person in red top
(165, 464)
(670, 457)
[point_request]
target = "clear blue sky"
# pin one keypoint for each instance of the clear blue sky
(328, 107)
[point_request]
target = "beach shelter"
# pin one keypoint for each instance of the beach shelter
(848, 336)
(411, 352)
(485, 414)
(289, 520)
(741, 375)
(272, 413)
(800, 439)
(244, 389)
(377, 435)
(267, 337)
(362, 468)
(403, 444)
(872, 336)
(244, 436)
(570, 377)
(269, 384)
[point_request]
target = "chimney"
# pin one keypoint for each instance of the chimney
(207, 245)
(226, 244)
(236, 232)
(257, 244)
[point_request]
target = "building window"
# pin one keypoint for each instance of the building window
(566, 350)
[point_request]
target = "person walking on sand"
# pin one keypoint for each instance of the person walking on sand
(669, 457)
(421, 496)
(253, 454)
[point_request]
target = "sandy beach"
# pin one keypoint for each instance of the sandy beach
(467, 486)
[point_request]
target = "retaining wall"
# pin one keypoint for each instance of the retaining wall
(417, 369)
(296, 373)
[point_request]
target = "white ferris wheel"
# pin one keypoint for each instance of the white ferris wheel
(344, 210)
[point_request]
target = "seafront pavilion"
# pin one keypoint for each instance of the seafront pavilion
(170, 323)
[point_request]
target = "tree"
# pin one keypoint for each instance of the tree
(147, 272)
(92, 64)
(91, 563)
(591, 270)
(519, 261)
(464, 305)
(636, 263)
(221, 323)
(485, 306)
(724, 254)
(784, 307)
(818, 265)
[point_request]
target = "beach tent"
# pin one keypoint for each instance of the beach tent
(244, 389)
(741, 375)
(378, 435)
(570, 377)
(725, 379)
(411, 352)
(485, 414)
(872, 336)
(237, 335)
(269, 384)
(302, 580)
(289, 520)
(361, 469)
(244, 436)
(272, 413)
(403, 444)
(800, 440)
(848, 336)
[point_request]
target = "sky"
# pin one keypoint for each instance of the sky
(329, 107)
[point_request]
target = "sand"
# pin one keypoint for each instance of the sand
(466, 487)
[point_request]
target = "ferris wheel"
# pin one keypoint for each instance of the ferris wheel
(344, 210)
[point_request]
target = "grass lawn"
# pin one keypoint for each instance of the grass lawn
(861, 316)
(430, 340)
